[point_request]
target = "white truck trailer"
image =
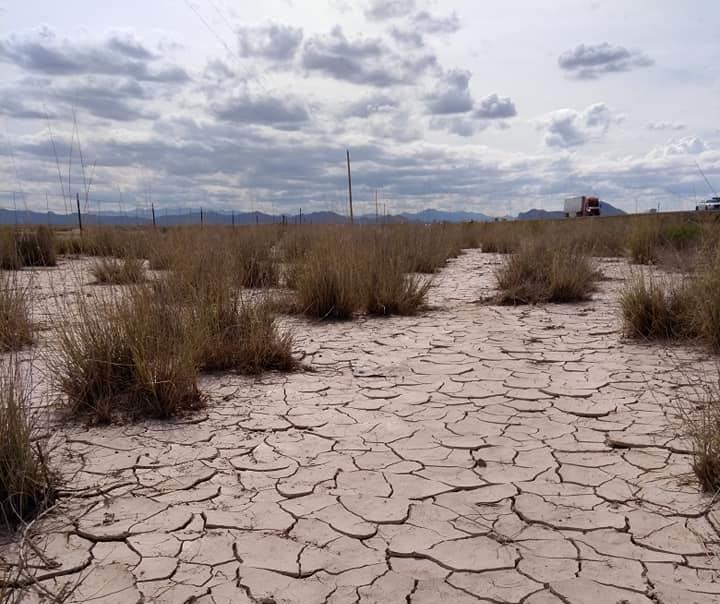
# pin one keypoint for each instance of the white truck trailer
(582, 206)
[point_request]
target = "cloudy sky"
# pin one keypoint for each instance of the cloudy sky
(491, 106)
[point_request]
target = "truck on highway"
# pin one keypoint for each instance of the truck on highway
(710, 204)
(582, 206)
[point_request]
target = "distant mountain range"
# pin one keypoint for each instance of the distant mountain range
(177, 217)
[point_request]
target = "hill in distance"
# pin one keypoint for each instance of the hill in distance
(177, 217)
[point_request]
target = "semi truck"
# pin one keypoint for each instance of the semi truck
(582, 206)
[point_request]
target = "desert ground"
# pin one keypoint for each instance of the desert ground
(473, 453)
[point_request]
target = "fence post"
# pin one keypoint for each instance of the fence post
(77, 200)
(352, 220)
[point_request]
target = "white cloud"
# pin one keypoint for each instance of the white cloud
(570, 128)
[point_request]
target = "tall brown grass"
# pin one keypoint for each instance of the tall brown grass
(348, 273)
(243, 336)
(16, 327)
(111, 271)
(681, 308)
(541, 273)
(701, 424)
(128, 357)
(26, 481)
(654, 308)
(27, 246)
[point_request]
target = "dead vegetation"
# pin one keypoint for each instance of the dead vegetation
(702, 426)
(346, 274)
(131, 356)
(27, 247)
(541, 273)
(26, 481)
(16, 327)
(680, 308)
(113, 271)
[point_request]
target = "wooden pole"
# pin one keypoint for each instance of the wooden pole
(202, 217)
(152, 207)
(300, 215)
(352, 219)
(77, 200)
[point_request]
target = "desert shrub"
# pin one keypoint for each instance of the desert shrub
(68, 244)
(687, 309)
(704, 303)
(161, 252)
(326, 283)
(644, 240)
(540, 273)
(425, 248)
(681, 236)
(37, 247)
(111, 271)
(253, 261)
(367, 272)
(655, 309)
(243, 336)
(10, 258)
(26, 482)
(16, 328)
(700, 421)
(385, 288)
(134, 356)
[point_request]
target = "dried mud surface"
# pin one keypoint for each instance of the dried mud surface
(471, 454)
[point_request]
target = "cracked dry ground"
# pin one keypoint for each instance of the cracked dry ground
(472, 454)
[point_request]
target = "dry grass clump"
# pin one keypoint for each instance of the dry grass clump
(243, 336)
(662, 240)
(699, 415)
(254, 264)
(326, 283)
(112, 271)
(133, 357)
(653, 309)
(37, 247)
(540, 273)
(644, 240)
(26, 482)
(345, 274)
(425, 248)
(20, 248)
(386, 288)
(16, 328)
(236, 334)
(704, 302)
(657, 308)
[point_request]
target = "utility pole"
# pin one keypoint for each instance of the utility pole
(77, 199)
(152, 207)
(202, 217)
(300, 215)
(352, 219)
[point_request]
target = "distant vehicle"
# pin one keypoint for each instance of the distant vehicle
(582, 206)
(710, 204)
